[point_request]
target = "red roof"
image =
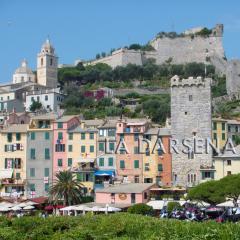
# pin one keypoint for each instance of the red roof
(39, 200)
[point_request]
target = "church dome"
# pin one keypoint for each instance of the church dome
(24, 68)
(47, 47)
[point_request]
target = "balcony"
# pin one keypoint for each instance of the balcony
(12, 181)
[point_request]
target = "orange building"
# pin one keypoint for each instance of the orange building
(129, 159)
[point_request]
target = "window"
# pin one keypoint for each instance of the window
(122, 136)
(17, 163)
(223, 136)
(160, 167)
(9, 137)
(214, 126)
(46, 97)
(111, 132)
(91, 148)
(83, 149)
(185, 113)
(91, 135)
(190, 97)
(51, 61)
(229, 162)
(136, 163)
(70, 148)
(136, 179)
(146, 167)
(101, 146)
(32, 153)
(32, 135)
(136, 136)
(69, 162)
(215, 136)
(60, 125)
(18, 136)
(82, 136)
(223, 126)
(122, 164)
(60, 162)
(46, 187)
(207, 175)
(60, 135)
(47, 154)
(18, 176)
(32, 172)
(32, 187)
(229, 128)
(111, 146)
(145, 195)
(59, 147)
(101, 162)
(41, 61)
(46, 172)
(148, 180)
(229, 173)
(70, 136)
(110, 162)
(46, 135)
(136, 150)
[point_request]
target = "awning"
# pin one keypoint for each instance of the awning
(105, 173)
(85, 160)
(6, 173)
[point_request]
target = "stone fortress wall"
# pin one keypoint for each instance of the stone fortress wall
(189, 47)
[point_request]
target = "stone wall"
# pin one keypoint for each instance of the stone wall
(233, 77)
(189, 119)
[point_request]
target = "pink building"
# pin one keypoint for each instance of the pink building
(130, 193)
(60, 138)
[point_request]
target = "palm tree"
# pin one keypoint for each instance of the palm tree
(66, 188)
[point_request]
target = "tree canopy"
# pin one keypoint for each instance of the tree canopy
(215, 192)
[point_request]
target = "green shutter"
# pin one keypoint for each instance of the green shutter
(91, 135)
(60, 135)
(18, 176)
(160, 167)
(122, 164)
(110, 162)
(60, 163)
(32, 187)
(101, 162)
(69, 162)
(83, 136)
(18, 136)
(136, 163)
(46, 135)
(111, 146)
(46, 172)
(70, 136)
(32, 152)
(83, 149)
(32, 172)
(101, 146)
(70, 148)
(46, 187)
(91, 148)
(47, 153)
(60, 125)
(9, 137)
(32, 134)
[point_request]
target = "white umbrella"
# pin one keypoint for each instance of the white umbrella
(113, 209)
(4, 209)
(23, 204)
(69, 208)
(226, 204)
(30, 203)
(16, 208)
(81, 207)
(95, 209)
(28, 207)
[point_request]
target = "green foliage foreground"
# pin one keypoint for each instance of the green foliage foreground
(115, 226)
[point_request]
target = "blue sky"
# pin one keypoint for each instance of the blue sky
(80, 29)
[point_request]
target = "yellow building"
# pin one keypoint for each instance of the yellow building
(82, 154)
(227, 163)
(219, 132)
(13, 152)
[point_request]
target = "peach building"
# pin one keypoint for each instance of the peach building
(157, 160)
(129, 159)
(129, 193)
(60, 140)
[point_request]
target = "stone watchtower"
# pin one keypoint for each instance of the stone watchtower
(47, 64)
(190, 118)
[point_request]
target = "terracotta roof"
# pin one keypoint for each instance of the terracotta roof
(126, 188)
(66, 118)
(39, 200)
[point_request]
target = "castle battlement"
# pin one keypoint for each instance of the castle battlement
(176, 81)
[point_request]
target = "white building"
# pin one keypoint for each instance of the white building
(23, 74)
(51, 99)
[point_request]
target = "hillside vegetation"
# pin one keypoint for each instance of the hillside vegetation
(116, 226)
(76, 80)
